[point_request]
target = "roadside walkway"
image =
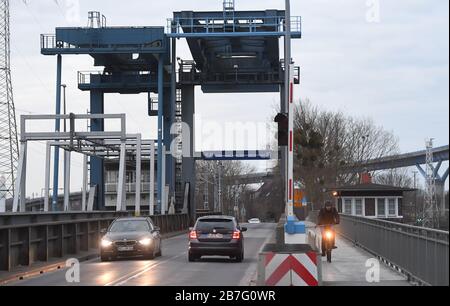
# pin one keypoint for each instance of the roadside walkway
(348, 268)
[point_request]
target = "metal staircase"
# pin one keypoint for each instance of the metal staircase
(179, 184)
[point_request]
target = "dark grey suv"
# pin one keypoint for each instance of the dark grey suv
(216, 236)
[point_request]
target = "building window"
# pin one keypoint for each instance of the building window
(381, 205)
(358, 207)
(348, 207)
(392, 207)
(112, 177)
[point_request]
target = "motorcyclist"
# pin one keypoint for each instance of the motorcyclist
(328, 216)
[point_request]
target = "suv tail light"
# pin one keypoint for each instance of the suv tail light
(193, 235)
(236, 235)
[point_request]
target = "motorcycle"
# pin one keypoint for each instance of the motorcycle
(328, 240)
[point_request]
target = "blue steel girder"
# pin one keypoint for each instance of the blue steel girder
(113, 47)
(234, 54)
(439, 178)
(254, 80)
(131, 56)
(189, 24)
(123, 83)
(399, 161)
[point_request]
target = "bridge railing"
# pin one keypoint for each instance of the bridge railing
(420, 253)
(27, 238)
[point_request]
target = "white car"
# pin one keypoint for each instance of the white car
(254, 221)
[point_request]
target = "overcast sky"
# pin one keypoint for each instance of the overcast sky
(392, 67)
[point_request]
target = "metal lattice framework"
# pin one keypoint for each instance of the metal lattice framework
(431, 208)
(9, 150)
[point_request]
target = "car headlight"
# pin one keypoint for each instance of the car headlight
(145, 241)
(106, 243)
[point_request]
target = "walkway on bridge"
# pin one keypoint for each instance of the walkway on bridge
(348, 268)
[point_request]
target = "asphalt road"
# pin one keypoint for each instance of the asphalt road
(172, 269)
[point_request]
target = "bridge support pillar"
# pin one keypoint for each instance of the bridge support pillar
(48, 157)
(440, 196)
(57, 129)
(161, 183)
(152, 178)
(169, 119)
(440, 185)
(189, 172)
(96, 164)
(19, 203)
(85, 182)
(67, 157)
(138, 176)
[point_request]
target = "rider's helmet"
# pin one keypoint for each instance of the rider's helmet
(328, 205)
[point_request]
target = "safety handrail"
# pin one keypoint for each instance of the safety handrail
(236, 24)
(420, 253)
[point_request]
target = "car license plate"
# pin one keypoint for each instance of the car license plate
(125, 249)
(215, 236)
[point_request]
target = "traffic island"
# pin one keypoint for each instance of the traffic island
(289, 265)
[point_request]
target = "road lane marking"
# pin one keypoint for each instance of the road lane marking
(252, 270)
(130, 276)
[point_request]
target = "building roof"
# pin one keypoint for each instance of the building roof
(371, 187)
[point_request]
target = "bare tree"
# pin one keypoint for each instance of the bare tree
(230, 188)
(326, 141)
(395, 177)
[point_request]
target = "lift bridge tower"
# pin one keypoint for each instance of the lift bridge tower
(9, 150)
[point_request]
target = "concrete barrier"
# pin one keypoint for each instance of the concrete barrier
(289, 265)
(281, 264)
(39, 237)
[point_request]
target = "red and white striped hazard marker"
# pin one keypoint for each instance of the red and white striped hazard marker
(291, 269)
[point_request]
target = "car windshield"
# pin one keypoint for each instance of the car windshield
(210, 224)
(130, 226)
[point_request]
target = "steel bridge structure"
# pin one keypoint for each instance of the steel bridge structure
(233, 52)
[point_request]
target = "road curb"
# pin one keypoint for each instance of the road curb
(61, 264)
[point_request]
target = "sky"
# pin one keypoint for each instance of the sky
(387, 60)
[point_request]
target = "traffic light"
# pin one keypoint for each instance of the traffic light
(283, 129)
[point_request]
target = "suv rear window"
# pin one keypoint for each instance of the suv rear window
(210, 224)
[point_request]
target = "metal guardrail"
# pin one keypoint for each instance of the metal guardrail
(27, 238)
(275, 24)
(420, 253)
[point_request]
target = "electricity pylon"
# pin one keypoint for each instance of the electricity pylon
(9, 149)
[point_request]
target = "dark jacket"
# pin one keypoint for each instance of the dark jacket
(329, 217)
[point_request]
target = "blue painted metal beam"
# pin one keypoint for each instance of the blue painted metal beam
(439, 178)
(160, 132)
(97, 164)
(421, 171)
(169, 119)
(436, 169)
(399, 161)
(444, 176)
(232, 34)
(111, 40)
(88, 51)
